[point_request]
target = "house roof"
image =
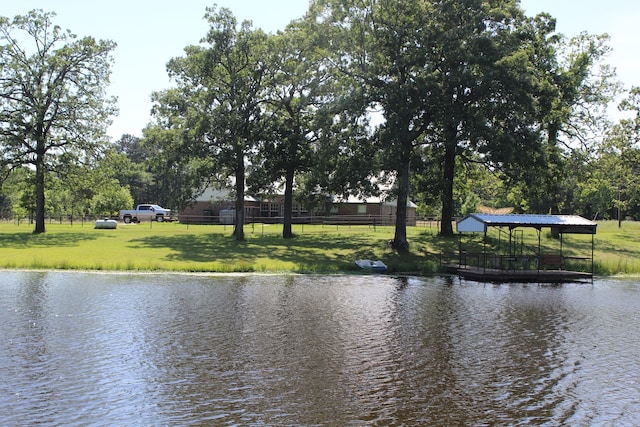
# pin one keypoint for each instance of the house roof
(210, 194)
(215, 195)
(478, 223)
(371, 199)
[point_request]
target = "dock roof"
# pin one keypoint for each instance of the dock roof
(478, 223)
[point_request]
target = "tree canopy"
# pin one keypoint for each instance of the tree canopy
(293, 95)
(456, 76)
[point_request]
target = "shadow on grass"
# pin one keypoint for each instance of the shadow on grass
(46, 240)
(328, 252)
(316, 252)
(434, 243)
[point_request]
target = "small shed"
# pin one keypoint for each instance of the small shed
(515, 262)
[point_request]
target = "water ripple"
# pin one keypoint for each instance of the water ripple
(102, 350)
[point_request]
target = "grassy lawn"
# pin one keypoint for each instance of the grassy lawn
(316, 249)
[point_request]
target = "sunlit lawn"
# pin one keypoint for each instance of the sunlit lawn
(317, 248)
(206, 248)
(617, 249)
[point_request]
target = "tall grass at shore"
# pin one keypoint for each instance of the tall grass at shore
(315, 249)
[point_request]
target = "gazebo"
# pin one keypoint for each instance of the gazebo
(517, 264)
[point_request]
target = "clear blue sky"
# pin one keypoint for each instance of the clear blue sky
(150, 32)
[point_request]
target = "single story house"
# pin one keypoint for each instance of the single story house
(384, 211)
(217, 206)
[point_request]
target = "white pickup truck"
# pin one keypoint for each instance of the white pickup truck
(146, 212)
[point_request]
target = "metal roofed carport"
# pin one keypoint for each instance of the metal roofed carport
(566, 223)
(516, 265)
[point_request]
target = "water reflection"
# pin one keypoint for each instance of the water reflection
(338, 350)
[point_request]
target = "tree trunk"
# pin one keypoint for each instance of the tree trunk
(446, 227)
(238, 231)
(400, 242)
(40, 172)
(287, 232)
(553, 190)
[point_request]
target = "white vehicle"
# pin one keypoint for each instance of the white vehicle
(146, 212)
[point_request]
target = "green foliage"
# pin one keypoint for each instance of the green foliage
(577, 89)
(129, 163)
(27, 203)
(176, 172)
(110, 199)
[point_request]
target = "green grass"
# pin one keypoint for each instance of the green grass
(617, 249)
(316, 249)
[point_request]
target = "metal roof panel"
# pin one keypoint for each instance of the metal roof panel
(478, 222)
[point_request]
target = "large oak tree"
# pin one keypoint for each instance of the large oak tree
(52, 96)
(381, 47)
(485, 89)
(293, 97)
(216, 107)
(453, 75)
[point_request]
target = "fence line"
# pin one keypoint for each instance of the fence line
(332, 220)
(382, 220)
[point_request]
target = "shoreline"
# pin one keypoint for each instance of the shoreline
(618, 276)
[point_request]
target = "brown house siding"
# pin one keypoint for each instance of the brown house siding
(207, 212)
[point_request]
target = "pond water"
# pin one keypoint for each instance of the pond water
(83, 349)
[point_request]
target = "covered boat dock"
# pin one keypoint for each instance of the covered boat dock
(510, 256)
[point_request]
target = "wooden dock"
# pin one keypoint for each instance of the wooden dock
(522, 276)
